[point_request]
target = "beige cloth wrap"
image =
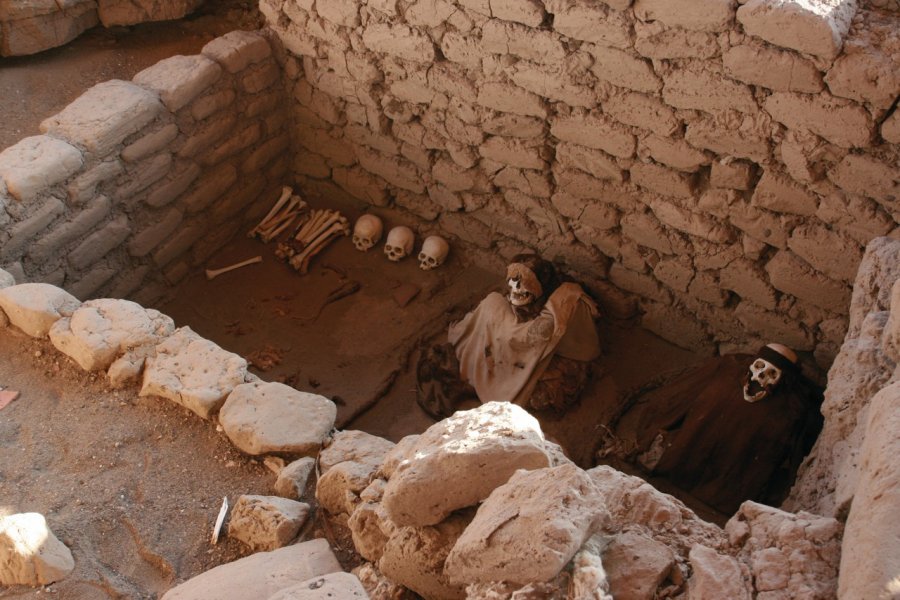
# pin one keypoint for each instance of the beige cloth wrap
(503, 359)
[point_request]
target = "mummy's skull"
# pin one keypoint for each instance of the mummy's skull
(434, 252)
(367, 232)
(764, 376)
(399, 243)
(524, 286)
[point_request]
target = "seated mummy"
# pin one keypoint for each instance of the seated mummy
(532, 346)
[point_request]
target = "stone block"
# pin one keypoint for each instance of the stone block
(733, 175)
(152, 236)
(716, 576)
(773, 326)
(868, 176)
(206, 136)
(259, 77)
(624, 70)
(708, 15)
(505, 97)
(31, 27)
(395, 171)
(193, 372)
(641, 284)
(179, 180)
(677, 273)
(340, 12)
(592, 22)
(890, 128)
(272, 418)
(528, 12)
(177, 245)
(35, 307)
(400, 41)
(266, 522)
(100, 243)
(511, 539)
(789, 274)
(644, 229)
(636, 565)
(816, 27)
(704, 89)
(832, 253)
(361, 184)
(23, 232)
(260, 575)
(36, 163)
(434, 479)
(728, 138)
(238, 141)
(103, 116)
(337, 151)
(50, 244)
(150, 144)
(462, 49)
(30, 553)
(643, 111)
(264, 155)
(100, 331)
(142, 176)
(593, 162)
(211, 103)
(179, 79)
(594, 131)
(677, 326)
(663, 180)
(759, 224)
(748, 280)
(839, 121)
(334, 585)
(131, 12)
(773, 69)
(293, 478)
(498, 37)
(553, 84)
(655, 40)
(84, 186)
(674, 153)
(430, 13)
(778, 193)
(236, 50)
(514, 152)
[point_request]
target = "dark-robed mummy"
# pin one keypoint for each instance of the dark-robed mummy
(735, 428)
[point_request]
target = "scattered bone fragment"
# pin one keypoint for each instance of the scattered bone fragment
(213, 273)
(260, 575)
(266, 522)
(220, 520)
(282, 215)
(29, 552)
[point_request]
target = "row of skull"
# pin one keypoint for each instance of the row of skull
(400, 242)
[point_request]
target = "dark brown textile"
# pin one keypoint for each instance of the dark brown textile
(722, 449)
(560, 385)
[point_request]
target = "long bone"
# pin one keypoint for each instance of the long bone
(286, 193)
(301, 261)
(213, 273)
(273, 232)
(322, 220)
(314, 217)
(295, 205)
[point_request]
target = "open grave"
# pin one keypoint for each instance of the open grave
(702, 224)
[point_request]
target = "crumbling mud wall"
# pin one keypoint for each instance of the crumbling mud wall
(136, 183)
(723, 164)
(37, 25)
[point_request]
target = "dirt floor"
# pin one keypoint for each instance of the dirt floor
(132, 485)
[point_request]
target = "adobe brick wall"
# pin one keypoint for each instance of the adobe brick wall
(724, 164)
(136, 183)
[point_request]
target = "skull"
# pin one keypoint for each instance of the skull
(367, 232)
(399, 243)
(434, 252)
(524, 286)
(764, 376)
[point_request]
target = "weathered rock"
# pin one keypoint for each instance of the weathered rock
(414, 557)
(636, 565)
(528, 528)
(459, 461)
(817, 27)
(36, 163)
(29, 552)
(266, 522)
(708, 15)
(33, 27)
(264, 418)
(348, 465)
(890, 340)
(715, 576)
(131, 12)
(589, 579)
(236, 50)
(100, 331)
(179, 79)
(370, 527)
(35, 307)
(380, 587)
(292, 479)
(325, 587)
(193, 372)
(260, 575)
(791, 555)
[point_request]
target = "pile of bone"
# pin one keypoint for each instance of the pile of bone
(400, 242)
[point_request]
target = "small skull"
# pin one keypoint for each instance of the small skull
(764, 376)
(367, 232)
(399, 243)
(434, 252)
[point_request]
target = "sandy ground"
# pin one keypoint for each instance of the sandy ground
(132, 485)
